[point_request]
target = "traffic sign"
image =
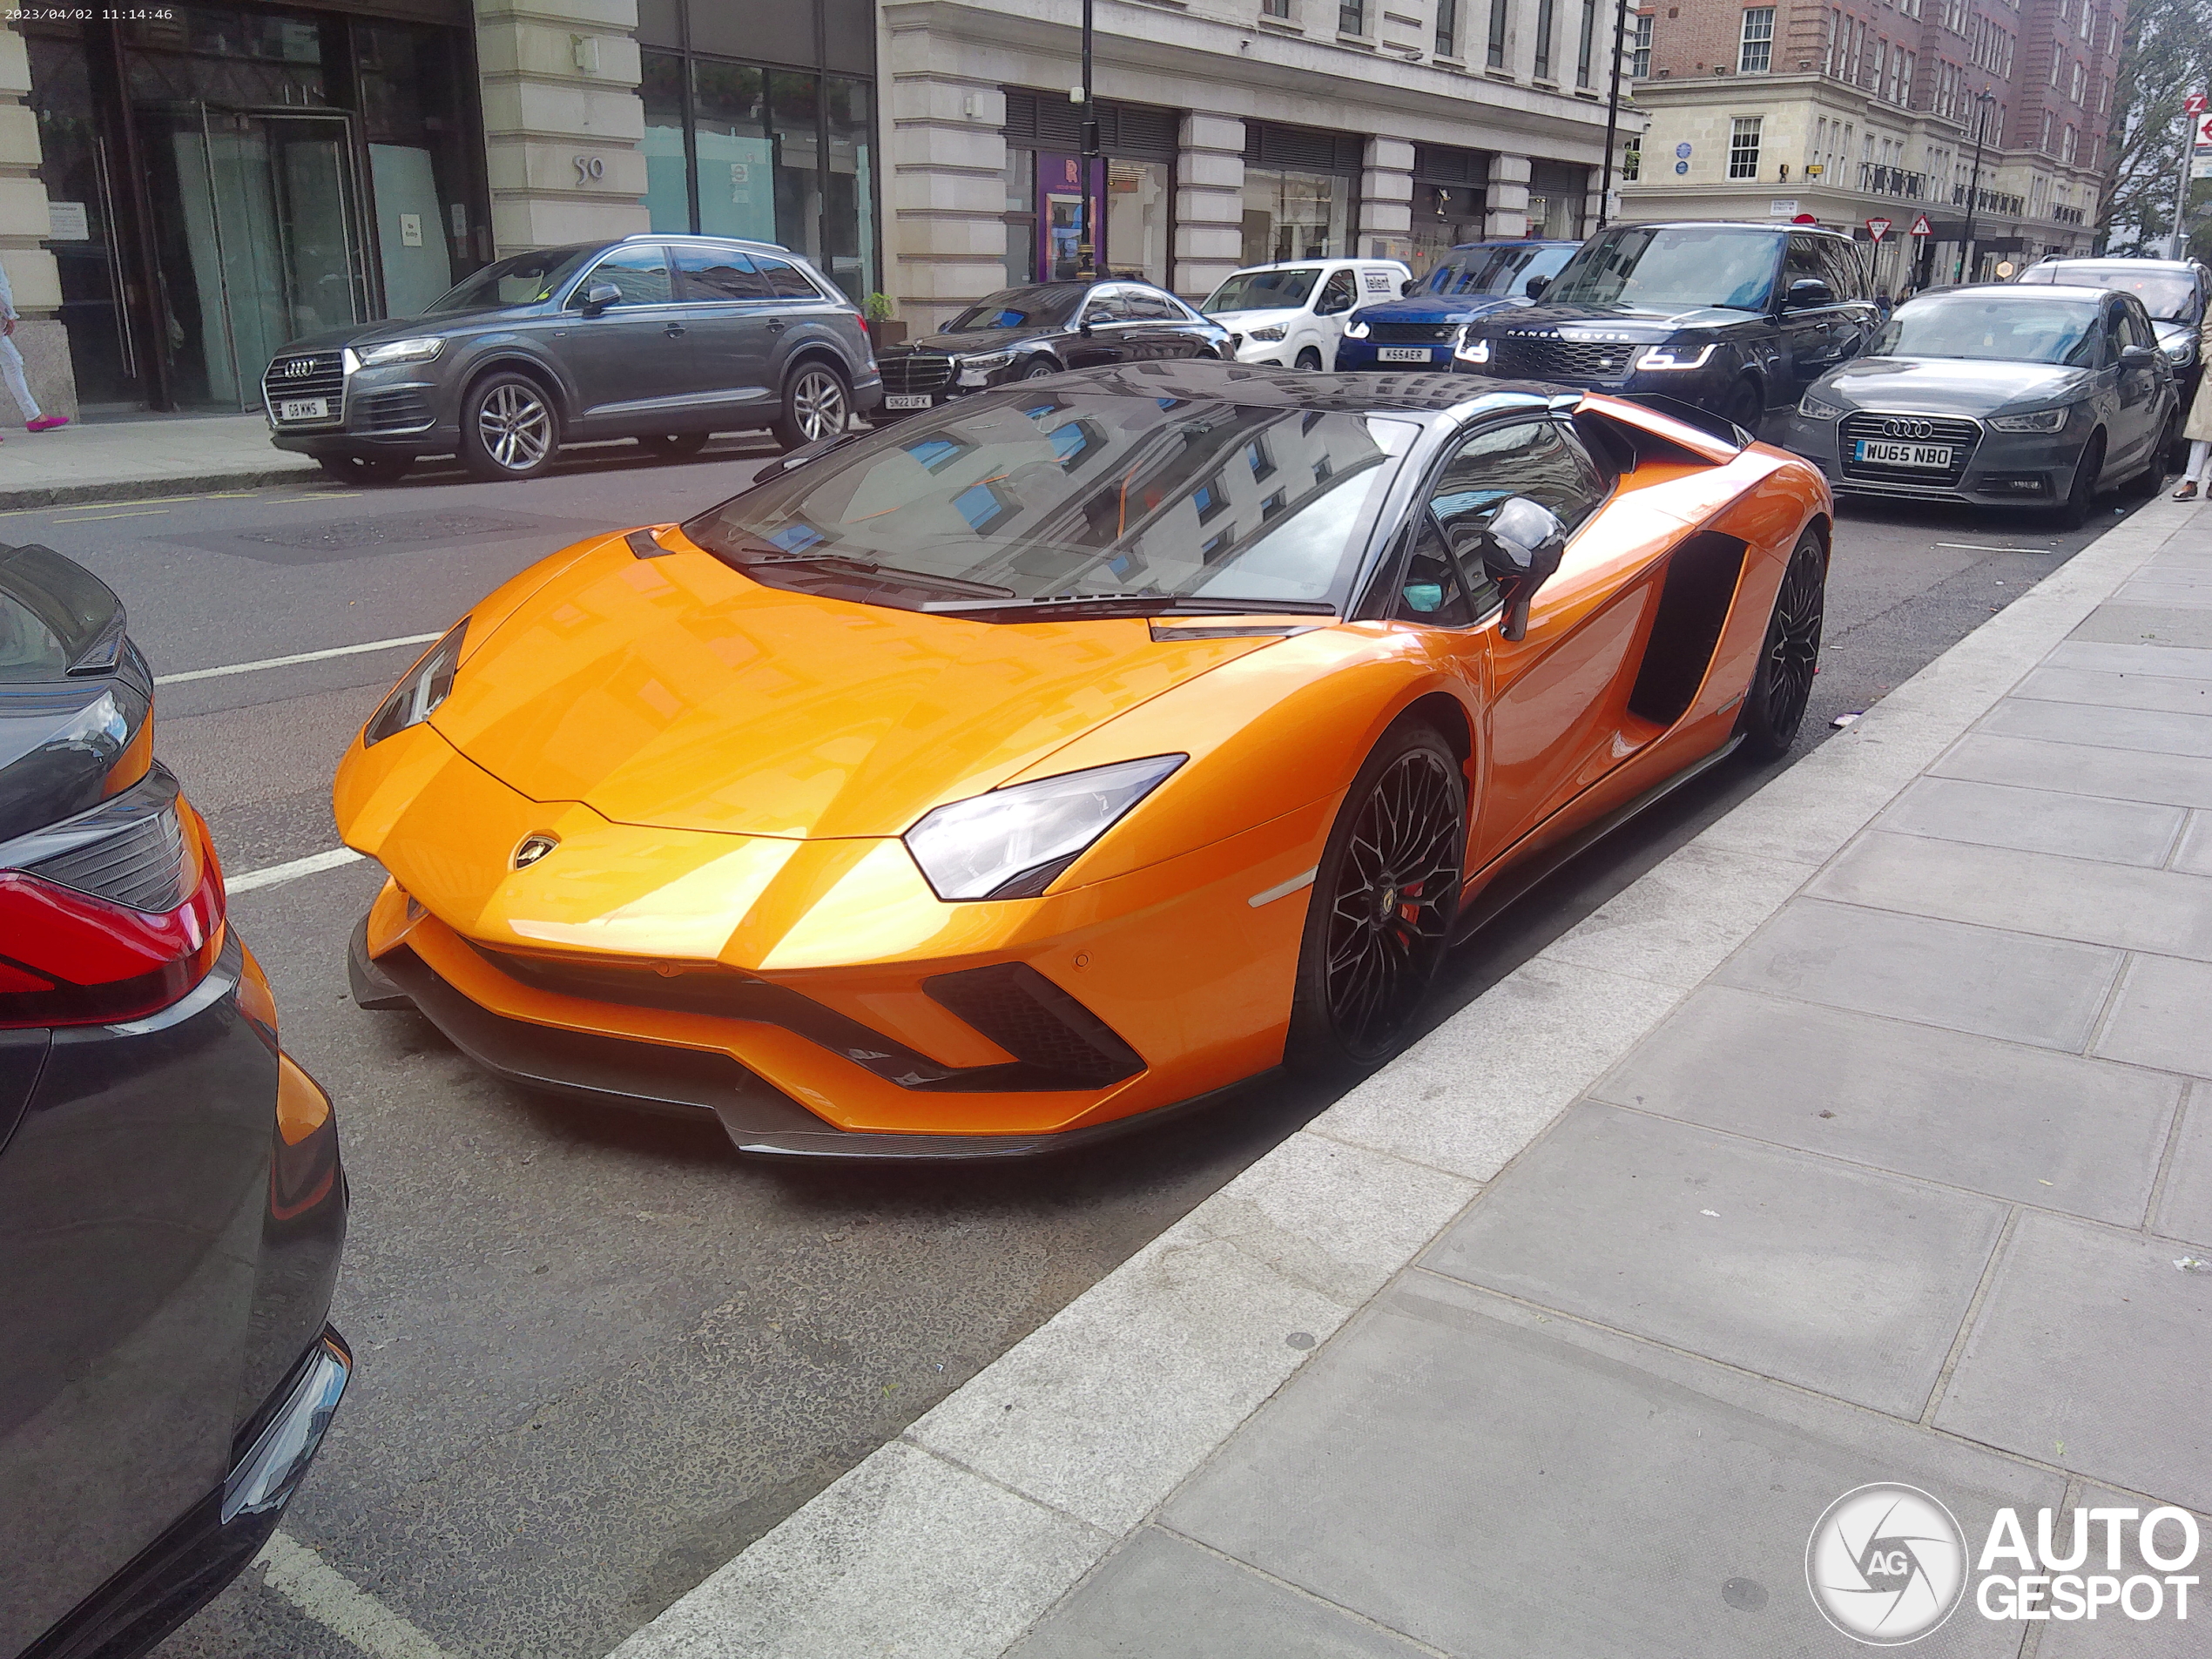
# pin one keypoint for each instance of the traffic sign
(1877, 228)
(2194, 104)
(1921, 227)
(2203, 130)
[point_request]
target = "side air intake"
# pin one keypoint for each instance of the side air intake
(1037, 1023)
(1700, 586)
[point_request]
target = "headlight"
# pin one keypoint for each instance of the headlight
(2179, 353)
(1356, 329)
(1272, 331)
(396, 351)
(973, 371)
(1814, 410)
(2042, 420)
(1472, 351)
(1677, 356)
(1012, 842)
(421, 689)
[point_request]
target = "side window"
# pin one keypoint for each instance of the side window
(1106, 305)
(1143, 305)
(707, 275)
(1802, 260)
(641, 272)
(1846, 275)
(1431, 594)
(784, 281)
(1538, 459)
(2116, 336)
(1336, 295)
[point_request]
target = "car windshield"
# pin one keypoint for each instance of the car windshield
(1264, 291)
(2013, 328)
(520, 279)
(2169, 296)
(1038, 308)
(1036, 496)
(1707, 265)
(1493, 269)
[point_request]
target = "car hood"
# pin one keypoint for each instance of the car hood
(1641, 322)
(1257, 317)
(1436, 307)
(1950, 385)
(361, 333)
(675, 692)
(974, 342)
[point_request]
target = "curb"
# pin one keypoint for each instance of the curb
(955, 1538)
(135, 488)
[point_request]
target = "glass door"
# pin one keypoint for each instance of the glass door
(258, 242)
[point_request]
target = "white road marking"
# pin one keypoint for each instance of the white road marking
(333, 1600)
(301, 656)
(1284, 889)
(1983, 547)
(276, 875)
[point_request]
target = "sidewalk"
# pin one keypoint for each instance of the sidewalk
(1858, 1142)
(108, 460)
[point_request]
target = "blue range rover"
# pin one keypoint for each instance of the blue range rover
(1474, 280)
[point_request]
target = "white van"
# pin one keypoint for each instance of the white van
(1291, 316)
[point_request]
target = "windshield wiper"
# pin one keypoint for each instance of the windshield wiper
(1135, 604)
(873, 567)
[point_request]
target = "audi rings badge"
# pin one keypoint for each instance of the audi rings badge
(1897, 428)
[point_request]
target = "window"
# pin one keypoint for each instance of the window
(1352, 17)
(1545, 18)
(1803, 263)
(1448, 28)
(2069, 145)
(1337, 295)
(1275, 9)
(1431, 593)
(1586, 43)
(1210, 500)
(706, 275)
(784, 280)
(641, 273)
(1756, 53)
(1639, 58)
(1632, 161)
(934, 454)
(1536, 459)
(1743, 146)
(1499, 12)
(2080, 80)
(1255, 457)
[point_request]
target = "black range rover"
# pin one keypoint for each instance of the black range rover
(1737, 319)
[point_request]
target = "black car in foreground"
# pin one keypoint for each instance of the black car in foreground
(1735, 319)
(664, 339)
(172, 1206)
(1025, 333)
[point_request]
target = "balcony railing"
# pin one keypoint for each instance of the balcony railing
(1891, 181)
(1989, 201)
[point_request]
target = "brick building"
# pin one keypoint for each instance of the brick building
(1870, 109)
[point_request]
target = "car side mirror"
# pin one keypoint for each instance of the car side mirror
(1808, 292)
(1083, 328)
(1407, 287)
(2139, 356)
(1535, 287)
(599, 296)
(1522, 552)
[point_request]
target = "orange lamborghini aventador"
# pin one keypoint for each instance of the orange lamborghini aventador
(991, 782)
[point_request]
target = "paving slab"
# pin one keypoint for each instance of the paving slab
(2194, 854)
(2185, 1207)
(2090, 726)
(2019, 1123)
(2118, 774)
(2162, 1017)
(2106, 688)
(2123, 624)
(2164, 660)
(2028, 893)
(2111, 1635)
(1504, 1484)
(2091, 1352)
(2041, 991)
(2037, 820)
(1795, 1267)
(1163, 1597)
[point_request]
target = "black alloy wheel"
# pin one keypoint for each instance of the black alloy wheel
(675, 446)
(1378, 919)
(366, 469)
(508, 426)
(817, 404)
(1310, 360)
(1782, 683)
(2083, 495)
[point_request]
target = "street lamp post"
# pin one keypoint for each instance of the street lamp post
(1612, 112)
(1982, 101)
(1087, 245)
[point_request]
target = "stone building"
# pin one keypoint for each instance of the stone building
(1863, 110)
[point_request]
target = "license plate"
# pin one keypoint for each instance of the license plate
(1936, 457)
(304, 408)
(1402, 354)
(908, 401)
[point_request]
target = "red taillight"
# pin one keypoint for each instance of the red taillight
(67, 958)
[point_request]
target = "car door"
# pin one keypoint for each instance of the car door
(1102, 329)
(630, 356)
(2140, 408)
(1557, 693)
(1157, 329)
(793, 314)
(1338, 295)
(1808, 331)
(1856, 316)
(728, 311)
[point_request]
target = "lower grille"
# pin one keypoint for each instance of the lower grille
(1414, 334)
(1961, 434)
(296, 374)
(395, 412)
(1561, 360)
(1036, 1022)
(915, 372)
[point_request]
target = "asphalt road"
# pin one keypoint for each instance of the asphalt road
(599, 1354)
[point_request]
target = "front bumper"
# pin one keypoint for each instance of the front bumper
(2002, 469)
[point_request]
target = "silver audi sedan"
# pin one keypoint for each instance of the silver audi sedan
(1997, 393)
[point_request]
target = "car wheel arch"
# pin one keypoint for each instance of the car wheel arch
(549, 380)
(818, 351)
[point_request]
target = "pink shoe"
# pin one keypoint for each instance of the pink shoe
(45, 422)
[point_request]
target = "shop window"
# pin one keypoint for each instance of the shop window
(668, 165)
(1021, 217)
(735, 154)
(1139, 197)
(1295, 216)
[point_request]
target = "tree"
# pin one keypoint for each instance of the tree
(2166, 54)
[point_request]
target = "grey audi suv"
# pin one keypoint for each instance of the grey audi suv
(664, 339)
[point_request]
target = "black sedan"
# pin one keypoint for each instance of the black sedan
(171, 1206)
(1025, 333)
(1998, 393)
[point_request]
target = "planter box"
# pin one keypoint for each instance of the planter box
(888, 332)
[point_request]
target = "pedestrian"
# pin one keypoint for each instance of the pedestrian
(2198, 429)
(11, 364)
(1883, 303)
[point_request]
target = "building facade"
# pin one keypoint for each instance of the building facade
(1863, 110)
